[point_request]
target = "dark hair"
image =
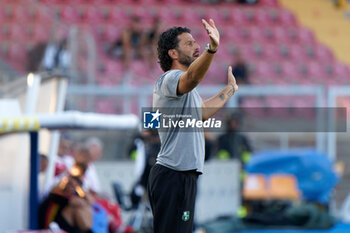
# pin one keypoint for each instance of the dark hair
(168, 40)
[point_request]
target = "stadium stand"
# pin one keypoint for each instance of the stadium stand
(277, 48)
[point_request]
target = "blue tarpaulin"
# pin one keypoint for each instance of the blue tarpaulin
(313, 170)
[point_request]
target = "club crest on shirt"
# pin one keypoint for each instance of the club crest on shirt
(186, 216)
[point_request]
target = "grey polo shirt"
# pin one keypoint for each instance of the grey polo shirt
(180, 150)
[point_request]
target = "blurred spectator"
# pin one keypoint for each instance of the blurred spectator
(209, 145)
(68, 205)
(341, 4)
(95, 148)
(151, 41)
(247, 1)
(233, 144)
(132, 44)
(56, 56)
(240, 70)
(64, 161)
(145, 151)
(44, 162)
(35, 56)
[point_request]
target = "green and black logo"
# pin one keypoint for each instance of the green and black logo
(186, 216)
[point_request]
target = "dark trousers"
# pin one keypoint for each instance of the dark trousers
(172, 197)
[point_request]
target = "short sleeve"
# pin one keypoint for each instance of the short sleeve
(170, 82)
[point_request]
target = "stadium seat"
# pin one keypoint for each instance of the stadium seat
(92, 14)
(69, 14)
(322, 53)
(218, 73)
(106, 106)
(110, 33)
(22, 14)
(283, 187)
(268, 3)
(271, 52)
(40, 33)
(316, 71)
(255, 187)
(280, 34)
(114, 70)
(189, 16)
(168, 15)
(117, 15)
(341, 70)
(304, 35)
(286, 18)
(220, 16)
(17, 32)
(296, 52)
(140, 72)
(43, 14)
(247, 51)
(17, 52)
(237, 17)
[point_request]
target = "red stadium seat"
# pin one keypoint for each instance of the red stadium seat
(146, 14)
(263, 71)
(280, 34)
(304, 35)
(17, 52)
(69, 14)
(286, 18)
(341, 70)
(111, 32)
(44, 14)
(140, 73)
(268, 2)
(247, 51)
(233, 34)
(92, 14)
(271, 52)
(40, 33)
(323, 53)
(217, 74)
(168, 15)
(262, 17)
(219, 15)
(106, 106)
(237, 17)
(296, 52)
(22, 14)
(189, 16)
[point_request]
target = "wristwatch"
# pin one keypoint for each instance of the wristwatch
(207, 47)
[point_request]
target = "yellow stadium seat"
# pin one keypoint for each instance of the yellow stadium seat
(283, 187)
(255, 187)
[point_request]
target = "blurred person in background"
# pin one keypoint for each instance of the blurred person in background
(233, 144)
(43, 162)
(131, 45)
(240, 70)
(35, 56)
(56, 56)
(94, 147)
(209, 145)
(173, 179)
(68, 204)
(144, 151)
(247, 1)
(151, 40)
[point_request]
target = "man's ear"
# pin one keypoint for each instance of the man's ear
(173, 54)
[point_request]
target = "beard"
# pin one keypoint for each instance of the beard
(185, 59)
